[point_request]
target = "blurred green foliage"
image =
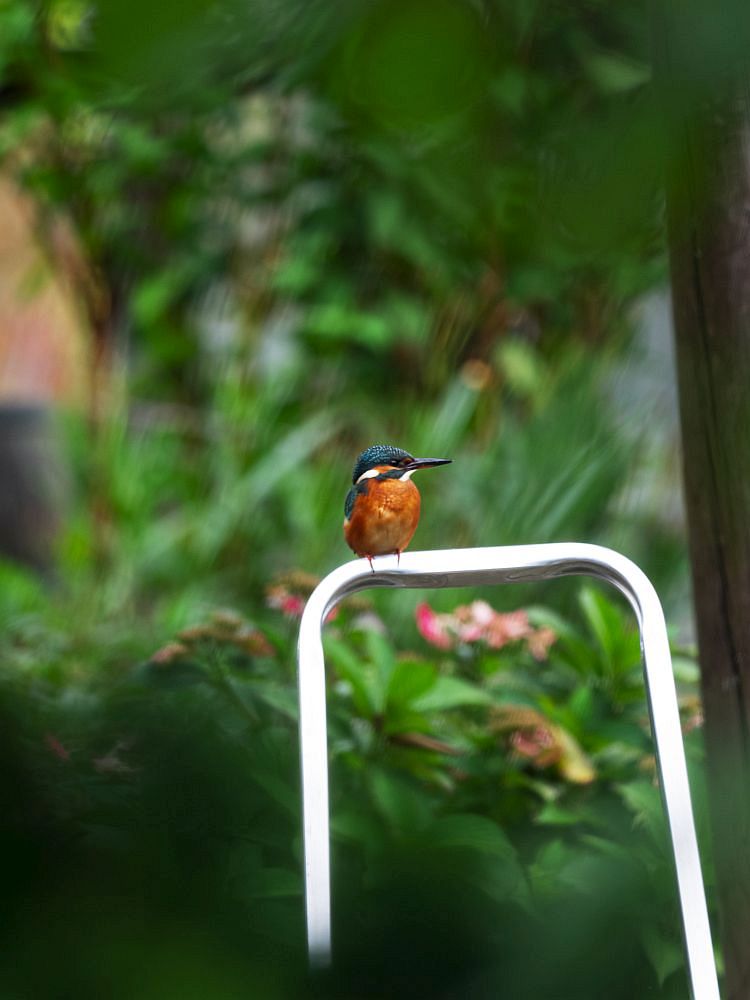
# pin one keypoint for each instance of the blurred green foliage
(301, 228)
(496, 821)
(388, 177)
(309, 229)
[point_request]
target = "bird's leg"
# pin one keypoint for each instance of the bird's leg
(398, 557)
(369, 559)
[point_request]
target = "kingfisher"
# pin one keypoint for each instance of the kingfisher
(382, 507)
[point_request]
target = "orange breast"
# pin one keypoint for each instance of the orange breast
(384, 518)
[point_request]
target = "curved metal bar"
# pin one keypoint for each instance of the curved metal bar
(481, 566)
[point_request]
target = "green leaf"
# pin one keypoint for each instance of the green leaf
(366, 688)
(281, 699)
(644, 800)
(475, 832)
(338, 322)
(616, 73)
(598, 614)
(543, 617)
(359, 826)
(383, 656)
(549, 862)
(581, 706)
(404, 806)
(154, 296)
(554, 815)
(665, 954)
(451, 692)
(499, 874)
(276, 787)
(409, 681)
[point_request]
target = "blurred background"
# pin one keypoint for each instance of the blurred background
(241, 240)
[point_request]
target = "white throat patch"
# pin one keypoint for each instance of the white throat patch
(372, 473)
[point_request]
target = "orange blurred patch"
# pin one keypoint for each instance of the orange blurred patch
(43, 338)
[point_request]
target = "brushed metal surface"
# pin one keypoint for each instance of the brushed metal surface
(482, 566)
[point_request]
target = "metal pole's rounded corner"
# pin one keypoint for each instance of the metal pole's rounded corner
(504, 564)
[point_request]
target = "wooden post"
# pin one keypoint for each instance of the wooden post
(709, 243)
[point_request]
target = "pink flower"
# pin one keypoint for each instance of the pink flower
(56, 747)
(473, 619)
(540, 641)
(505, 628)
(536, 744)
(292, 605)
(432, 627)
(289, 604)
(283, 600)
(479, 622)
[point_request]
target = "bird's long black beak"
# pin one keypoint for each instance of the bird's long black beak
(427, 463)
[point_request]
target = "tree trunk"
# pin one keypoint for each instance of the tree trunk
(709, 240)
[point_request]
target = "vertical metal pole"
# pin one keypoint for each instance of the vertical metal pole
(508, 564)
(313, 733)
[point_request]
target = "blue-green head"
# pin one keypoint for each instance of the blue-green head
(386, 455)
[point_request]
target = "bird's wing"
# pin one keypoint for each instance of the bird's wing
(351, 497)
